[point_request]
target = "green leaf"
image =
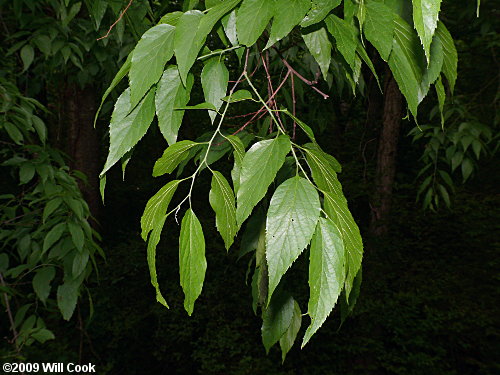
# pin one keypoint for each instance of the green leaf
(171, 18)
(42, 335)
(441, 98)
(259, 167)
(277, 319)
(467, 168)
(124, 69)
(406, 62)
(222, 202)
(172, 157)
(67, 296)
(320, 47)
(433, 69)
(302, 125)
(319, 10)
(149, 57)
(335, 205)
(288, 338)
(253, 17)
(287, 15)
(200, 106)
(41, 282)
(50, 207)
(171, 94)
(157, 207)
(14, 133)
(322, 158)
(79, 263)
(186, 45)
(76, 235)
(291, 219)
(345, 37)
(192, 262)
(154, 239)
(128, 129)
(326, 274)
(214, 80)
(26, 173)
(229, 24)
(40, 128)
(191, 32)
(425, 17)
(98, 10)
(379, 27)
(239, 154)
(450, 55)
(347, 305)
(27, 56)
(238, 96)
(53, 236)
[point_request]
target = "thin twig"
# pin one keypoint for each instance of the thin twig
(122, 13)
(11, 318)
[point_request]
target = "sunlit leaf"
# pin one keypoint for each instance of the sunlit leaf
(214, 80)
(222, 202)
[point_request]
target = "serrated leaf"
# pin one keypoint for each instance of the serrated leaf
(425, 17)
(326, 274)
(335, 205)
(149, 57)
(67, 296)
(221, 199)
(27, 56)
(41, 282)
(291, 219)
(277, 319)
(154, 238)
(42, 335)
(171, 18)
(259, 167)
(238, 96)
(171, 94)
(200, 106)
(214, 81)
(124, 69)
(77, 235)
(26, 173)
(53, 236)
(287, 15)
(379, 27)
(14, 133)
(319, 46)
(239, 154)
(191, 32)
(253, 17)
(345, 37)
(185, 42)
(406, 62)
(319, 10)
(288, 338)
(80, 263)
(157, 207)
(192, 262)
(172, 157)
(127, 129)
(441, 94)
(302, 125)
(450, 55)
(321, 157)
(433, 69)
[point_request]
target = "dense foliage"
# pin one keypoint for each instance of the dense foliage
(253, 98)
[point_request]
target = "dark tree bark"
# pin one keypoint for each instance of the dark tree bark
(82, 140)
(386, 157)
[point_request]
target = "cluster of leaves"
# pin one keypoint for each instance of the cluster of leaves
(46, 238)
(59, 36)
(307, 209)
(458, 147)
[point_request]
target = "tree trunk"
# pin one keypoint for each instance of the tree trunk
(386, 157)
(82, 141)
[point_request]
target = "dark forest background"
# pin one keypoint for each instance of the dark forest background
(429, 298)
